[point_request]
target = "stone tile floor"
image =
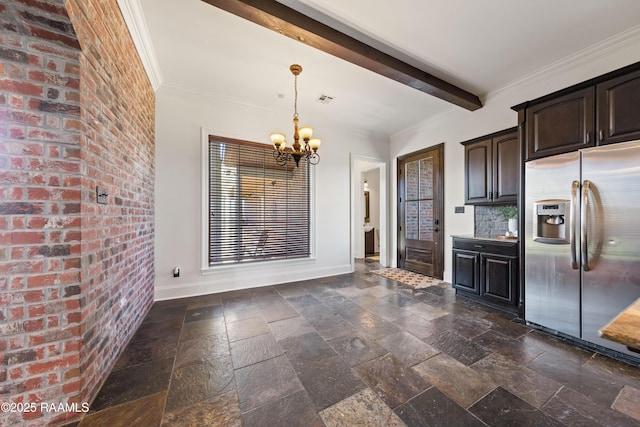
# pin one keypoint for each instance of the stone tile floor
(356, 350)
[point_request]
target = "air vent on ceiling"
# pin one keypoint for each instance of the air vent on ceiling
(325, 99)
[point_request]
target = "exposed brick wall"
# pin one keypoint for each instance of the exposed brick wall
(76, 277)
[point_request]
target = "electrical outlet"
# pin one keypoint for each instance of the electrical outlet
(459, 209)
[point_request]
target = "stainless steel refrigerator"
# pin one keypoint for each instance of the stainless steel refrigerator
(582, 239)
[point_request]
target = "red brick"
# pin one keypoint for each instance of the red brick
(24, 88)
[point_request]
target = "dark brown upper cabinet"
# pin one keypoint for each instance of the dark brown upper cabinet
(603, 110)
(491, 168)
(561, 125)
(619, 109)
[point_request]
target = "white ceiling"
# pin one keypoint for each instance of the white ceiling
(479, 46)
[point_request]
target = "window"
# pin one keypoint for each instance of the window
(258, 210)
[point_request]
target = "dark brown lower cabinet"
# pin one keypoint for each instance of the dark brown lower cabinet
(369, 243)
(487, 270)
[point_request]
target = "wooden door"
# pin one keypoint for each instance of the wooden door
(421, 211)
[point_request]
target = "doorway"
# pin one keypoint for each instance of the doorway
(374, 171)
(421, 211)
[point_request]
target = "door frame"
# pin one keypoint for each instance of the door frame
(360, 164)
(439, 255)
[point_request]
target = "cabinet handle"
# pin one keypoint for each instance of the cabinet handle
(588, 137)
(601, 134)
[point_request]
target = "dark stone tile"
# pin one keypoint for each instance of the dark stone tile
(456, 380)
(461, 326)
(203, 328)
(145, 411)
(159, 313)
(305, 349)
(202, 313)
(234, 315)
(503, 408)
(530, 386)
(200, 381)
(302, 301)
(416, 326)
(333, 299)
(364, 409)
(333, 326)
(133, 383)
(248, 328)
(295, 410)
(394, 382)
(578, 378)
(507, 327)
(265, 382)
(356, 350)
(353, 313)
(273, 313)
(165, 330)
(614, 371)
(433, 408)
(515, 350)
(367, 301)
(201, 350)
(575, 409)
(407, 348)
(386, 311)
(204, 301)
(137, 352)
(292, 327)
(399, 300)
(328, 381)
(254, 350)
(371, 326)
(569, 352)
(461, 349)
(219, 410)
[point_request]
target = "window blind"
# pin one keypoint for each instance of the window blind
(258, 210)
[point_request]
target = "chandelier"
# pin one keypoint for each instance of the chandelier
(309, 151)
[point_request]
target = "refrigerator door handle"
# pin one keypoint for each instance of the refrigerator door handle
(572, 224)
(583, 226)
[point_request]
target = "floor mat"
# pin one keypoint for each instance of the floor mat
(415, 280)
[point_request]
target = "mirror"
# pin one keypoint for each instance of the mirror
(366, 206)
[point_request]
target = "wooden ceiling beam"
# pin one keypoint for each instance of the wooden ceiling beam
(291, 23)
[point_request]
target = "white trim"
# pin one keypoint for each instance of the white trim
(134, 18)
(224, 281)
(592, 53)
(356, 210)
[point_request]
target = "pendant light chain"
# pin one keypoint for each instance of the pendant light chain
(295, 98)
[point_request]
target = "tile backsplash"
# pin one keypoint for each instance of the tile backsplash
(489, 222)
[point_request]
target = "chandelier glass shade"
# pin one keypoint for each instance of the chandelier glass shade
(308, 149)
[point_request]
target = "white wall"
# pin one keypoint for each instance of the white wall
(180, 117)
(460, 125)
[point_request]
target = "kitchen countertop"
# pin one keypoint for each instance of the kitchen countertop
(492, 239)
(625, 328)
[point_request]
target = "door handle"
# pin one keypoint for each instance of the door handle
(572, 224)
(583, 226)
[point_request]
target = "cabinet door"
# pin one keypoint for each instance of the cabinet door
(477, 161)
(505, 168)
(499, 277)
(561, 125)
(465, 271)
(618, 109)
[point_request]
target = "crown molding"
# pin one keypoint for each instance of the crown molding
(590, 54)
(134, 18)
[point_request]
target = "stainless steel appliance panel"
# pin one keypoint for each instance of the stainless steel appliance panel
(552, 275)
(611, 263)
